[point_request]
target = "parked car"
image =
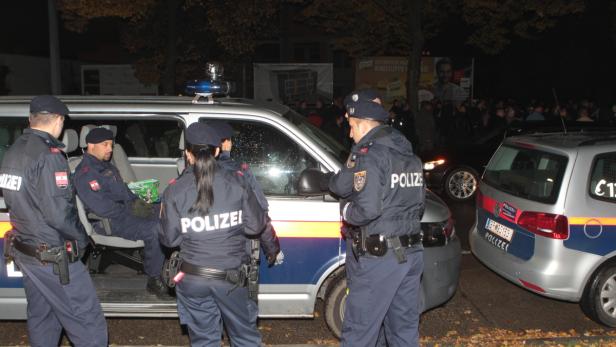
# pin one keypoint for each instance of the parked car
(277, 144)
(545, 218)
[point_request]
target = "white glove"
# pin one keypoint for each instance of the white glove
(279, 258)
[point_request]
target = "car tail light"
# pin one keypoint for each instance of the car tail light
(550, 225)
(437, 234)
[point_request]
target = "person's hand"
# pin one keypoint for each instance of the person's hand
(141, 208)
(275, 260)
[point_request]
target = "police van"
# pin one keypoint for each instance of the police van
(546, 219)
(277, 144)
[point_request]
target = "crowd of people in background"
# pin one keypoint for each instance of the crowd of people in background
(472, 122)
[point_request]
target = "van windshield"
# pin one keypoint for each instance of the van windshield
(331, 145)
(526, 173)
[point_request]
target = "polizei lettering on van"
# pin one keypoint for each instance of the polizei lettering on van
(211, 222)
(10, 182)
(407, 179)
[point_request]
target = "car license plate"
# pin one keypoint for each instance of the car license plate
(499, 230)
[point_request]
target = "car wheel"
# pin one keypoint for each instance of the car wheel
(334, 305)
(461, 184)
(599, 300)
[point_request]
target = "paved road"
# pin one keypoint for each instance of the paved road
(486, 310)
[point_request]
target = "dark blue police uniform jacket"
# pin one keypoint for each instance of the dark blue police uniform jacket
(383, 159)
(102, 190)
(34, 178)
(218, 239)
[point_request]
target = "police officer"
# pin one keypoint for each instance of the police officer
(48, 238)
(269, 241)
(102, 190)
(208, 212)
(382, 184)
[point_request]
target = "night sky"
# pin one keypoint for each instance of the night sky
(577, 57)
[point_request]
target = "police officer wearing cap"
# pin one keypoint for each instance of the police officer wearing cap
(208, 212)
(103, 192)
(384, 194)
(47, 239)
(268, 240)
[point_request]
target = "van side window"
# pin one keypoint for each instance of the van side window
(274, 158)
(603, 177)
(150, 138)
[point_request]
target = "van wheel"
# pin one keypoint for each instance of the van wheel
(599, 299)
(334, 305)
(461, 183)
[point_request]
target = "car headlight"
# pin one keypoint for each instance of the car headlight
(430, 165)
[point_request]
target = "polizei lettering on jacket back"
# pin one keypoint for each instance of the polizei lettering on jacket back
(407, 179)
(211, 222)
(10, 182)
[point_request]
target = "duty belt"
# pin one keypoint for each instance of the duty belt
(202, 271)
(234, 276)
(58, 256)
(378, 245)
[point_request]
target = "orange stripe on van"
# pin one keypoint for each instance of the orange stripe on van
(592, 220)
(307, 229)
(4, 227)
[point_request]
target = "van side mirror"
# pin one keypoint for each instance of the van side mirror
(313, 182)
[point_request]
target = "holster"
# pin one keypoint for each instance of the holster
(359, 242)
(59, 258)
(171, 268)
(7, 246)
(252, 272)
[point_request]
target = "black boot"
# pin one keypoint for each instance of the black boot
(157, 287)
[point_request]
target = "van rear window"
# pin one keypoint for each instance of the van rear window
(526, 173)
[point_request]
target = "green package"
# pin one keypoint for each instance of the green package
(146, 190)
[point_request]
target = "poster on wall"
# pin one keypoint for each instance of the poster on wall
(447, 79)
(292, 83)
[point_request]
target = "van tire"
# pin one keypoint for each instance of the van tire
(334, 304)
(601, 288)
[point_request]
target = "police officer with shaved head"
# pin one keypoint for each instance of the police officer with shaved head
(384, 194)
(208, 212)
(47, 239)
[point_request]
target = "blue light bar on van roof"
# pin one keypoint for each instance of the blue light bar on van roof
(208, 87)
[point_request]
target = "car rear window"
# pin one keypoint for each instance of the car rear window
(526, 173)
(603, 177)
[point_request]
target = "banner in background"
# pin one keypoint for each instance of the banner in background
(292, 83)
(443, 78)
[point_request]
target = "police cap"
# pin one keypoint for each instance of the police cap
(98, 135)
(201, 134)
(48, 104)
(367, 110)
(222, 128)
(362, 95)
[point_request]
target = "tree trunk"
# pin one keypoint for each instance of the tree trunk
(416, 38)
(171, 53)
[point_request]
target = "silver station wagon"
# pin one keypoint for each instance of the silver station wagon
(277, 144)
(546, 218)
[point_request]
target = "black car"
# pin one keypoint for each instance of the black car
(455, 171)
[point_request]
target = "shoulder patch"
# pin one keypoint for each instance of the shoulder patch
(61, 179)
(94, 185)
(239, 173)
(359, 180)
(172, 181)
(54, 149)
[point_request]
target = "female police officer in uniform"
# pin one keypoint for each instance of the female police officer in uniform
(208, 212)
